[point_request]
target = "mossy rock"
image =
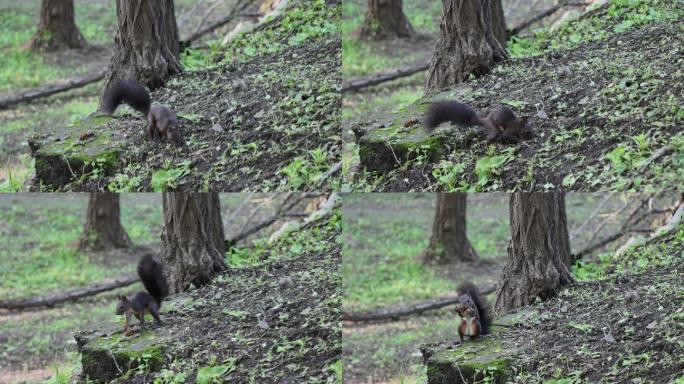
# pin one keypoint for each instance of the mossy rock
(107, 353)
(66, 155)
(487, 359)
(403, 137)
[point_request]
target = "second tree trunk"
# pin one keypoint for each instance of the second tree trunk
(449, 243)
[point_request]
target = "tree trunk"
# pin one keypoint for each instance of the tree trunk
(563, 236)
(146, 46)
(539, 238)
(385, 19)
(102, 229)
(193, 244)
(499, 23)
(468, 42)
(56, 27)
(449, 243)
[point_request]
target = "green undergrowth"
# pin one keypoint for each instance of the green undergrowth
(303, 21)
(663, 251)
(620, 16)
(288, 246)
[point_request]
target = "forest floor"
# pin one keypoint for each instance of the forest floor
(628, 327)
(39, 233)
(258, 113)
(607, 118)
(275, 320)
(21, 69)
(382, 239)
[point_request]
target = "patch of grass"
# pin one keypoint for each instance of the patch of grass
(20, 68)
(361, 58)
(40, 234)
(381, 257)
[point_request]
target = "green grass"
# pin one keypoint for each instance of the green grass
(360, 58)
(20, 68)
(40, 233)
(381, 263)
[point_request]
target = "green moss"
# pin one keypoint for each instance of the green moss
(486, 359)
(86, 147)
(105, 357)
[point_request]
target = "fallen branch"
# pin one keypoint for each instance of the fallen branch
(525, 24)
(51, 89)
(398, 312)
(333, 170)
(52, 300)
(282, 212)
(234, 14)
(356, 84)
(669, 228)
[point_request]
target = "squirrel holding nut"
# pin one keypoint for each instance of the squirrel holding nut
(473, 311)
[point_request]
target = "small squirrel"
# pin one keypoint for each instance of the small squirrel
(500, 123)
(474, 312)
(150, 273)
(162, 122)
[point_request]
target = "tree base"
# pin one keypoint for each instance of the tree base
(375, 29)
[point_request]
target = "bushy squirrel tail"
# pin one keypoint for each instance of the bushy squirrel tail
(453, 111)
(130, 92)
(468, 288)
(152, 277)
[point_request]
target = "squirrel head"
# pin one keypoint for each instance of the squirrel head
(525, 128)
(123, 305)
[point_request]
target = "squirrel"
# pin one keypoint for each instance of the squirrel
(150, 272)
(500, 123)
(162, 122)
(474, 312)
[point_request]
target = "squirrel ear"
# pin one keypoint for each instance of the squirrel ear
(123, 298)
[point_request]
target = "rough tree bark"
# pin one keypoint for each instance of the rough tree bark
(449, 243)
(193, 242)
(146, 45)
(385, 19)
(565, 252)
(539, 238)
(469, 42)
(499, 23)
(56, 27)
(102, 229)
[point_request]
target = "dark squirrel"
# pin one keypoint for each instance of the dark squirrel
(150, 272)
(474, 312)
(501, 123)
(162, 122)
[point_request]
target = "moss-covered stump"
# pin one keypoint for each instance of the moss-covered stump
(488, 358)
(390, 144)
(107, 353)
(87, 147)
